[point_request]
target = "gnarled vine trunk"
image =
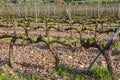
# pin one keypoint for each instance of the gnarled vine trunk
(12, 43)
(111, 62)
(55, 56)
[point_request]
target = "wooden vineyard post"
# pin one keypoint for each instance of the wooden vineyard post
(86, 10)
(99, 10)
(68, 10)
(55, 10)
(119, 10)
(48, 9)
(36, 13)
(96, 26)
(46, 27)
(25, 10)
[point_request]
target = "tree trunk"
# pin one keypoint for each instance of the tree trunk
(47, 30)
(96, 30)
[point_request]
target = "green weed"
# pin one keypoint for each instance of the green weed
(97, 74)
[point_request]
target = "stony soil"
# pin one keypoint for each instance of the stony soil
(37, 59)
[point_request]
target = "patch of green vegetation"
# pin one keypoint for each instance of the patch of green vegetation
(34, 38)
(63, 72)
(91, 40)
(6, 39)
(70, 41)
(102, 44)
(19, 27)
(100, 0)
(117, 45)
(52, 28)
(68, 73)
(114, 24)
(103, 74)
(6, 75)
(78, 43)
(98, 74)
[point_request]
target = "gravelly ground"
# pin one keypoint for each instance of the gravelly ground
(37, 59)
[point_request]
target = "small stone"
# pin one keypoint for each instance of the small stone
(32, 52)
(69, 57)
(81, 66)
(14, 48)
